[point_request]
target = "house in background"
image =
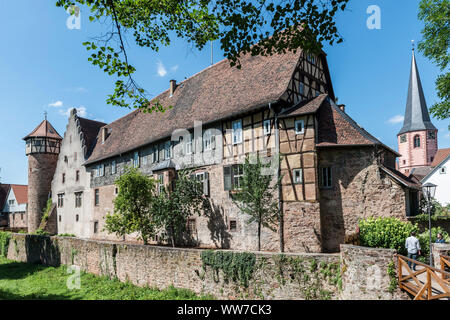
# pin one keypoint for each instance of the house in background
(13, 201)
(440, 176)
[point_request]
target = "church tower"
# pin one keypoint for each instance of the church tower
(417, 140)
(42, 149)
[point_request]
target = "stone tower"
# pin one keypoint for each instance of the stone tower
(42, 149)
(417, 140)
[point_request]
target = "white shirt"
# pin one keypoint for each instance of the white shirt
(412, 245)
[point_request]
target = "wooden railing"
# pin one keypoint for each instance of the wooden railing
(445, 263)
(427, 283)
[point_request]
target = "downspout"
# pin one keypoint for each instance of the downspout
(280, 205)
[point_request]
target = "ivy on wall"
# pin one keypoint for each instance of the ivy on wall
(4, 242)
(236, 266)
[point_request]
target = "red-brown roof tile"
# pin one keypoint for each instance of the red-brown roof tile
(44, 129)
(305, 107)
(4, 189)
(440, 156)
(215, 93)
(20, 192)
(90, 130)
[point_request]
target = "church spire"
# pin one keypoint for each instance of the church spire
(416, 114)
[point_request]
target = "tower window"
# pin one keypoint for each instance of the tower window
(417, 141)
(431, 135)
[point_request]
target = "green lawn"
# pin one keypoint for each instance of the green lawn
(31, 281)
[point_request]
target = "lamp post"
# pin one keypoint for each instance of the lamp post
(429, 190)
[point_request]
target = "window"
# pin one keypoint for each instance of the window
(167, 150)
(116, 191)
(77, 175)
(299, 126)
(63, 178)
(416, 141)
(160, 183)
(65, 159)
(113, 167)
(21, 216)
(232, 176)
(78, 196)
(403, 138)
(298, 175)
(136, 159)
(203, 177)
(11, 202)
(188, 147)
(155, 154)
(302, 88)
(95, 226)
(442, 170)
(97, 197)
(191, 226)
(431, 159)
(144, 160)
(267, 127)
(208, 141)
(404, 161)
(60, 200)
(59, 218)
(237, 131)
(100, 170)
(233, 225)
(431, 135)
(326, 179)
(77, 218)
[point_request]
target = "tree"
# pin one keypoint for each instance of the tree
(255, 196)
(435, 46)
(261, 27)
(133, 206)
(173, 209)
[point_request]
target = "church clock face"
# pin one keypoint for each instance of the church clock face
(403, 138)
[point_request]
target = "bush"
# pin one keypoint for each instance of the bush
(424, 239)
(4, 242)
(389, 233)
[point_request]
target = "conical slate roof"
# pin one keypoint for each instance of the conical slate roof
(44, 130)
(416, 114)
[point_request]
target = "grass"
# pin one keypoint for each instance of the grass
(32, 281)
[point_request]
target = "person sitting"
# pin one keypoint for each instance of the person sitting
(440, 238)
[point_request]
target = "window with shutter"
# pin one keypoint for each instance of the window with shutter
(227, 178)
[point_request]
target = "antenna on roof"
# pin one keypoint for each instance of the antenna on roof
(45, 115)
(413, 44)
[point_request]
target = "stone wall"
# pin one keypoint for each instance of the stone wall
(365, 274)
(423, 225)
(275, 276)
(359, 190)
(438, 250)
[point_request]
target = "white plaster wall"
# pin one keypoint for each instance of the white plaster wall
(442, 181)
(16, 207)
(72, 143)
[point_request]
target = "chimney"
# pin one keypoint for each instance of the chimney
(342, 107)
(173, 86)
(104, 133)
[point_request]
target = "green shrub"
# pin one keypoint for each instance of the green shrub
(424, 239)
(66, 235)
(389, 233)
(41, 232)
(47, 209)
(4, 242)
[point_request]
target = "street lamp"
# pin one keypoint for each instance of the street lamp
(429, 190)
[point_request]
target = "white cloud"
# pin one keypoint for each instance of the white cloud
(161, 69)
(56, 104)
(81, 111)
(396, 119)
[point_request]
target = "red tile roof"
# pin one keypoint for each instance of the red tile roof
(397, 175)
(217, 92)
(440, 156)
(90, 130)
(44, 129)
(20, 192)
(305, 107)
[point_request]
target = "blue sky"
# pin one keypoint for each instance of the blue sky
(44, 67)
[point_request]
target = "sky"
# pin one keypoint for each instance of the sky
(44, 68)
